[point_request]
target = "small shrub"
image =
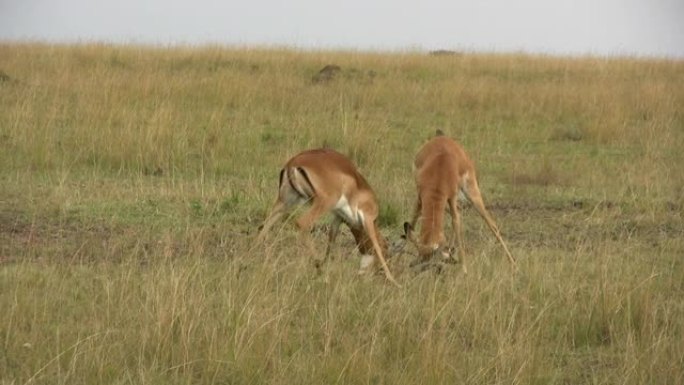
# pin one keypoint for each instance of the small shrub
(571, 133)
(389, 216)
(229, 204)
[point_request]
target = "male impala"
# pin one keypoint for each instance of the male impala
(442, 170)
(331, 183)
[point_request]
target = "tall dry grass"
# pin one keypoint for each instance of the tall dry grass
(133, 178)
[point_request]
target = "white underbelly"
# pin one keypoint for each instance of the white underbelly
(350, 215)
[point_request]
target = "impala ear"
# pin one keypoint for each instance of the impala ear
(407, 230)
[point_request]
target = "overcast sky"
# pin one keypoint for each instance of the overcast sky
(604, 27)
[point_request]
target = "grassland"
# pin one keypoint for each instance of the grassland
(132, 181)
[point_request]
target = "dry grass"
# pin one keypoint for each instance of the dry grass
(133, 180)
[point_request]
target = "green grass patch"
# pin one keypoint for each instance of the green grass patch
(134, 179)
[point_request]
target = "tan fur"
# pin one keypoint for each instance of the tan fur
(442, 169)
(321, 178)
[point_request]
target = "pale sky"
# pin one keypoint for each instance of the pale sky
(602, 27)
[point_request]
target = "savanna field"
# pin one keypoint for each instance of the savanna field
(133, 180)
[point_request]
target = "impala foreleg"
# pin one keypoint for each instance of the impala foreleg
(416, 214)
(458, 232)
(305, 224)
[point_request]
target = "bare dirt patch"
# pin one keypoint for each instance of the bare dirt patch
(573, 224)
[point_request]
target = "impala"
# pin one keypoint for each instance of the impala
(329, 182)
(442, 171)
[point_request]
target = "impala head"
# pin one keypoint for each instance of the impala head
(426, 252)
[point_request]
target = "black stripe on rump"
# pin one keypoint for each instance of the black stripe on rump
(308, 181)
(293, 185)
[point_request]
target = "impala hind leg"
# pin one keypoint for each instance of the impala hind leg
(473, 193)
(274, 215)
(305, 224)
